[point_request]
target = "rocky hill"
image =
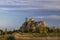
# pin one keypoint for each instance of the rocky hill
(31, 25)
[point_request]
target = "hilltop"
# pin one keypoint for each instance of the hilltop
(31, 29)
(32, 25)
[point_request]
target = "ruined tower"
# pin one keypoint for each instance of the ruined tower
(29, 19)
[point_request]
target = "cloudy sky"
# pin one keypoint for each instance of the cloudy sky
(14, 12)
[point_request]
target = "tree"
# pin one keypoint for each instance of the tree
(58, 30)
(51, 29)
(1, 32)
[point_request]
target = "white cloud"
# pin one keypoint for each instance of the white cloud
(41, 4)
(54, 16)
(49, 17)
(40, 17)
(10, 9)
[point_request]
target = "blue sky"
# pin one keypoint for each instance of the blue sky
(14, 12)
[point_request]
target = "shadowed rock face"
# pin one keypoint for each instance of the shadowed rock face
(31, 25)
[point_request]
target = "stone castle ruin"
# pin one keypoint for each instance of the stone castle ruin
(39, 23)
(31, 24)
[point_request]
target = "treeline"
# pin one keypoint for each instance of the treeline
(5, 32)
(37, 30)
(40, 30)
(31, 27)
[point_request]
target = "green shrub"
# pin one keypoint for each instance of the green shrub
(10, 38)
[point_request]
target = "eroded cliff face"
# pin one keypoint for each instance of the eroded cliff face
(32, 25)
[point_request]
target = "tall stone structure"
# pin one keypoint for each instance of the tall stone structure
(31, 25)
(29, 19)
(41, 23)
(38, 23)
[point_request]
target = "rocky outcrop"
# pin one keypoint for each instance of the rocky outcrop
(31, 25)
